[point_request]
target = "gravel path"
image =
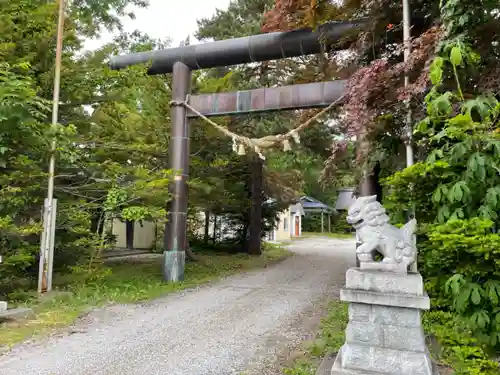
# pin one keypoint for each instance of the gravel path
(219, 329)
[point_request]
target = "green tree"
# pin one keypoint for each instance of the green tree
(111, 158)
(282, 174)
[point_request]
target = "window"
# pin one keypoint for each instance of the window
(285, 224)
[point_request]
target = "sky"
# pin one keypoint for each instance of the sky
(167, 18)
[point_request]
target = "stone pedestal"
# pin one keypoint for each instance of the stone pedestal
(384, 335)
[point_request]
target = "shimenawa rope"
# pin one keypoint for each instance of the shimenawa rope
(258, 144)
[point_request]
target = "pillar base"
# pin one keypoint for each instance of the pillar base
(337, 369)
(173, 265)
(384, 335)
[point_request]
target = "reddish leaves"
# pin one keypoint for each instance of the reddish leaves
(365, 92)
(378, 87)
(288, 15)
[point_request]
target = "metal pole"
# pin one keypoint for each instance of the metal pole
(175, 229)
(407, 51)
(46, 280)
(409, 128)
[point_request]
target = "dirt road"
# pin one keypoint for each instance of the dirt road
(220, 329)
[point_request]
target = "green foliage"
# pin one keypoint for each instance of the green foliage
(312, 223)
(460, 260)
(340, 224)
(461, 171)
(23, 139)
(456, 345)
(223, 180)
(109, 160)
(111, 154)
(301, 367)
(242, 18)
(455, 191)
(332, 329)
(465, 20)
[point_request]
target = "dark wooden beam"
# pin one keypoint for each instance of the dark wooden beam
(309, 95)
(254, 48)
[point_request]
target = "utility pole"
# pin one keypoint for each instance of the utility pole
(409, 127)
(47, 246)
(407, 51)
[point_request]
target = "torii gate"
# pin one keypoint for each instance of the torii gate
(257, 48)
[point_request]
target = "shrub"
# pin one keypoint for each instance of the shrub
(340, 224)
(461, 264)
(457, 347)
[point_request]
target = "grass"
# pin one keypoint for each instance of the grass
(123, 282)
(329, 339)
(341, 236)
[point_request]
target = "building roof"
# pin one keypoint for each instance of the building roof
(294, 207)
(346, 197)
(297, 208)
(313, 205)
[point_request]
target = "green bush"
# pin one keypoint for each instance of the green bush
(312, 223)
(340, 224)
(461, 265)
(455, 191)
(456, 345)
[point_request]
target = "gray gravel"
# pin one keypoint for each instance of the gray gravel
(220, 329)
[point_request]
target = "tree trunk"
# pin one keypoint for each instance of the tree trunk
(190, 254)
(370, 184)
(376, 182)
(244, 242)
(95, 223)
(215, 229)
(254, 245)
(207, 227)
(129, 234)
(367, 184)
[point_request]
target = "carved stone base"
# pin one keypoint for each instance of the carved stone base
(384, 335)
